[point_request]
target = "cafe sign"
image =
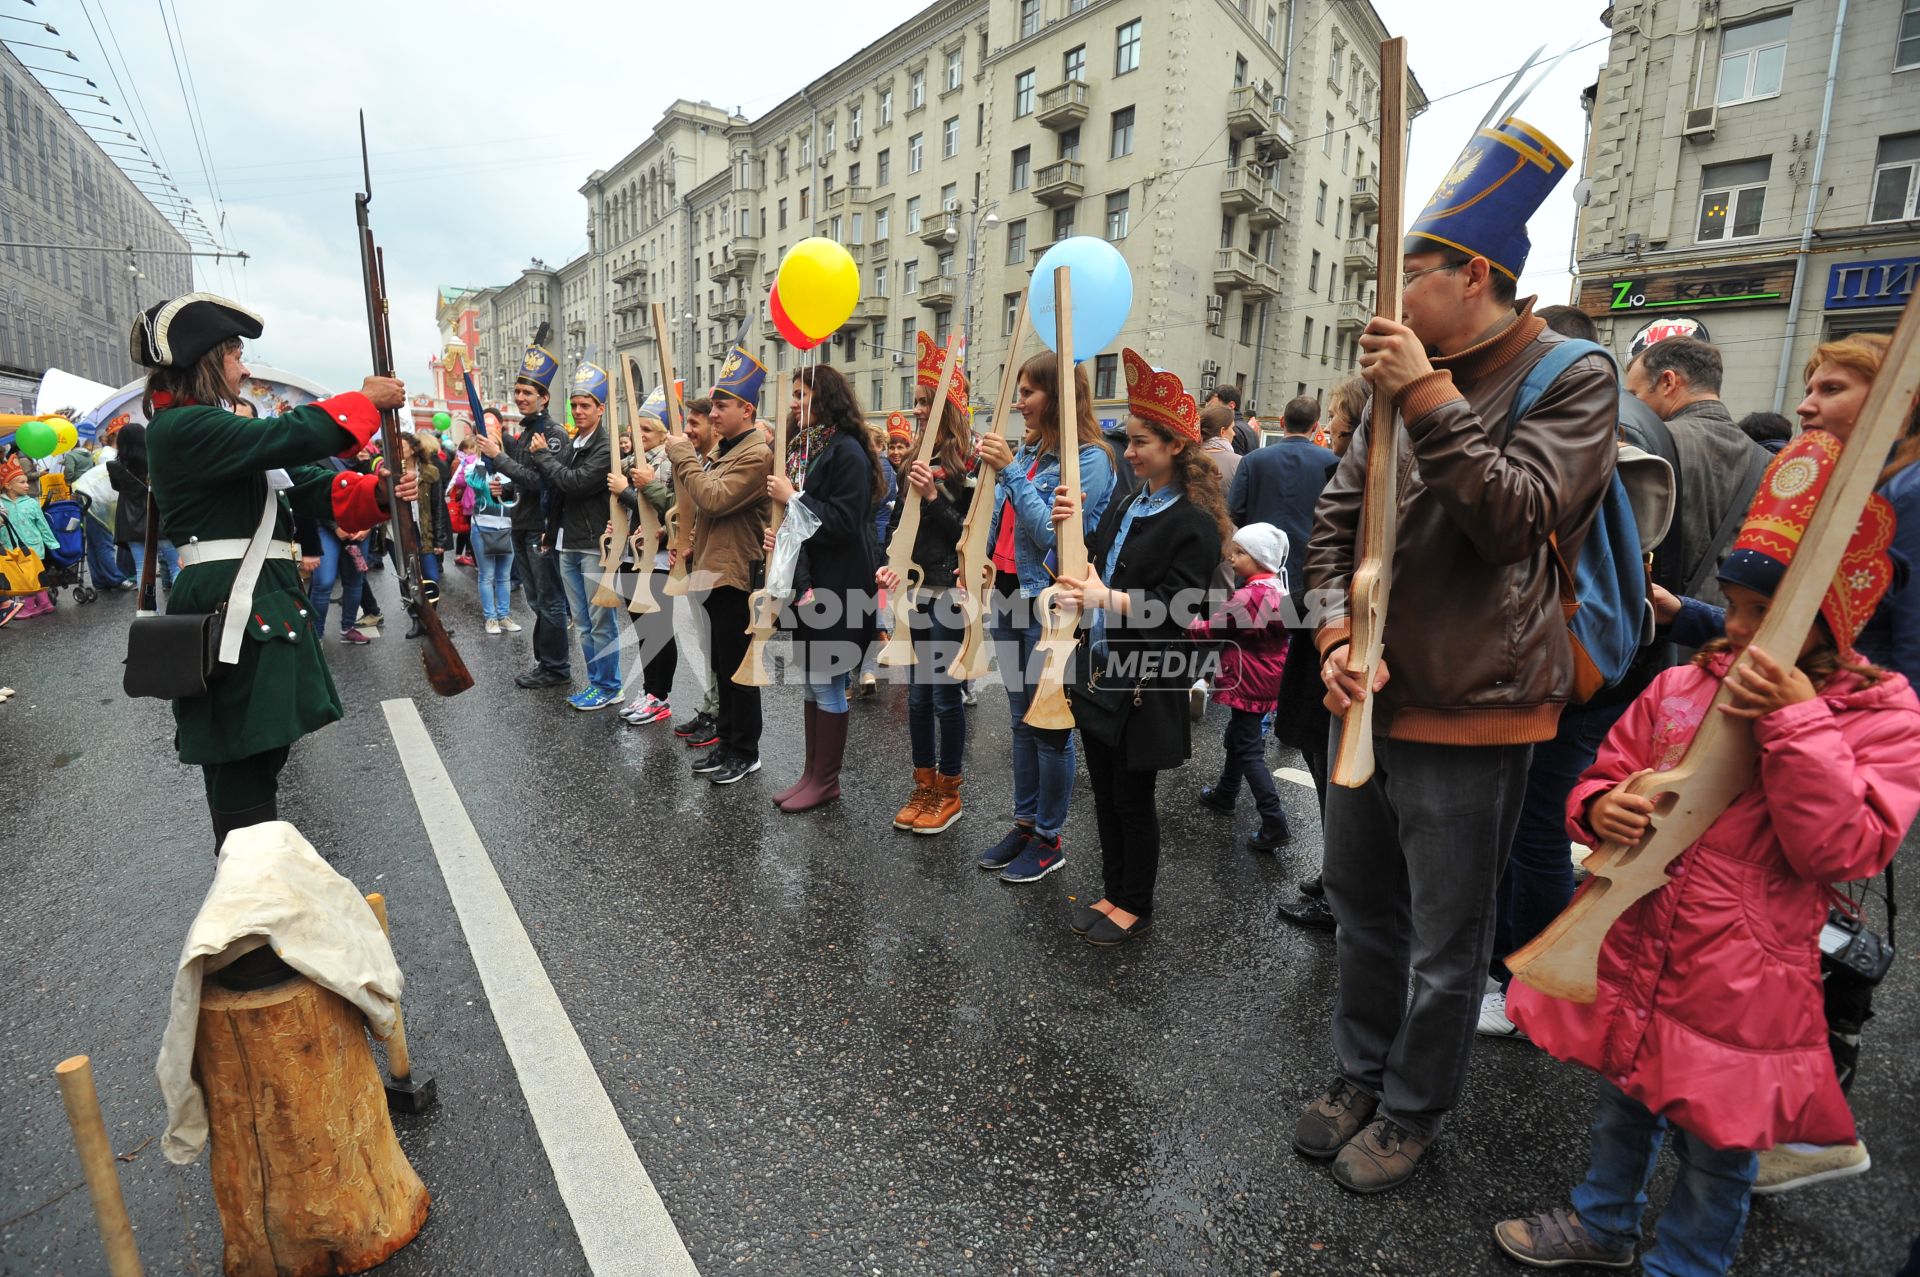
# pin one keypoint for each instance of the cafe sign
(1761, 284)
(1887, 282)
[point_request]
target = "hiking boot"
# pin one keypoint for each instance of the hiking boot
(1556, 1240)
(1040, 857)
(942, 807)
(1384, 1155)
(1786, 1167)
(1333, 1119)
(1007, 850)
(1493, 1018)
(909, 815)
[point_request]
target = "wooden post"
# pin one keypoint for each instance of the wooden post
(96, 1162)
(976, 557)
(399, 1059)
(763, 607)
(646, 541)
(307, 1173)
(1563, 961)
(898, 649)
(1059, 629)
(1380, 506)
(680, 521)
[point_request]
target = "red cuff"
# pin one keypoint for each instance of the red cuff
(356, 502)
(354, 413)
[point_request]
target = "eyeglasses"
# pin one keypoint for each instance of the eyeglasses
(1406, 280)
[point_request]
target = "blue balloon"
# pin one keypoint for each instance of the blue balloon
(1102, 293)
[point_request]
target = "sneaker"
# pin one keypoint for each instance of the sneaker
(969, 695)
(713, 760)
(660, 713)
(635, 707)
(1557, 1239)
(352, 636)
(1040, 857)
(1786, 1167)
(465, 560)
(1197, 700)
(10, 609)
(869, 683)
(510, 625)
(1493, 1018)
(373, 619)
(736, 769)
(1212, 797)
(537, 677)
(692, 725)
(1007, 850)
(592, 699)
(493, 627)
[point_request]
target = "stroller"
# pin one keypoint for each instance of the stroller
(65, 564)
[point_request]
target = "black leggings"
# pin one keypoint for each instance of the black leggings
(244, 783)
(1129, 823)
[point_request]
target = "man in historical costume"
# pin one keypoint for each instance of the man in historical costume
(227, 488)
(536, 565)
(575, 474)
(1478, 664)
(728, 503)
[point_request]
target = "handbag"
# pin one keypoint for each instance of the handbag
(175, 656)
(20, 568)
(495, 543)
(1101, 709)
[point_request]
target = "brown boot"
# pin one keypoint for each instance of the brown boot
(942, 807)
(809, 717)
(922, 794)
(1384, 1155)
(1333, 1119)
(829, 747)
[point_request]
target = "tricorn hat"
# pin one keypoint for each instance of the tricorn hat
(175, 334)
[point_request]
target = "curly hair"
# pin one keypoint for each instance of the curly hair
(202, 382)
(954, 447)
(1197, 475)
(835, 407)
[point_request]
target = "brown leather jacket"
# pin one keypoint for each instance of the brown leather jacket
(729, 505)
(1476, 642)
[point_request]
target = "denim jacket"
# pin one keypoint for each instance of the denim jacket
(1033, 506)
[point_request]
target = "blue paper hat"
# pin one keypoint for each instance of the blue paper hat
(741, 376)
(655, 405)
(539, 368)
(1482, 205)
(590, 379)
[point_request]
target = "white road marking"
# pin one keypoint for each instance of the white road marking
(623, 1225)
(1295, 775)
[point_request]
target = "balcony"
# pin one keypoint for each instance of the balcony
(737, 259)
(1278, 139)
(1064, 106)
(1234, 270)
(1271, 211)
(730, 311)
(1240, 189)
(934, 228)
(937, 292)
(636, 269)
(1363, 255)
(848, 196)
(1366, 195)
(719, 350)
(1249, 111)
(1352, 315)
(1062, 182)
(870, 309)
(877, 250)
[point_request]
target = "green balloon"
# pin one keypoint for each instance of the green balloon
(36, 439)
(442, 421)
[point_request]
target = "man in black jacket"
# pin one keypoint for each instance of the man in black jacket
(576, 477)
(535, 565)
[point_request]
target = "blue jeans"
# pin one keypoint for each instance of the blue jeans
(830, 696)
(1701, 1227)
(599, 627)
(336, 565)
(1042, 757)
(106, 573)
(495, 572)
(430, 565)
(166, 566)
(932, 697)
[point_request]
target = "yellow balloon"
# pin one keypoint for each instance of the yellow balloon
(819, 286)
(64, 434)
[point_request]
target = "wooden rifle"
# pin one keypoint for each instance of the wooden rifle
(446, 672)
(1380, 504)
(1564, 960)
(613, 542)
(680, 518)
(763, 605)
(898, 649)
(1059, 626)
(976, 555)
(645, 542)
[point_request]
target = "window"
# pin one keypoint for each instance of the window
(1126, 48)
(1063, 220)
(876, 391)
(1023, 94)
(1122, 133)
(880, 280)
(916, 153)
(906, 386)
(943, 265)
(886, 107)
(1346, 151)
(913, 216)
(980, 124)
(955, 68)
(1075, 6)
(853, 174)
(1227, 223)
(1732, 197)
(916, 90)
(950, 138)
(1029, 17)
(1896, 179)
(1906, 51)
(1320, 205)
(1326, 340)
(853, 124)
(1074, 65)
(1333, 71)
(1326, 139)
(1246, 323)
(907, 329)
(883, 167)
(942, 326)
(882, 222)
(1313, 273)
(950, 196)
(1117, 215)
(1017, 242)
(826, 139)
(1306, 336)
(783, 214)
(1753, 56)
(1273, 26)
(910, 276)
(1009, 313)
(1069, 144)
(782, 163)
(1022, 168)
(806, 149)
(1106, 373)
(806, 193)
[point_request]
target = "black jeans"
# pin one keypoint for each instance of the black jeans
(1247, 760)
(1129, 823)
(727, 643)
(243, 783)
(538, 572)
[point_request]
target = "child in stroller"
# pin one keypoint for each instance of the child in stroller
(23, 526)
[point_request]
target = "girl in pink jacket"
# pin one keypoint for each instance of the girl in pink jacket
(1708, 1017)
(1254, 632)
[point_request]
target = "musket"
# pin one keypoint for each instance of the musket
(1564, 960)
(898, 649)
(763, 605)
(613, 542)
(680, 518)
(976, 557)
(446, 672)
(1059, 626)
(1380, 504)
(645, 541)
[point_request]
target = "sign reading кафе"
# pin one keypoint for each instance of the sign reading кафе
(1888, 281)
(1759, 284)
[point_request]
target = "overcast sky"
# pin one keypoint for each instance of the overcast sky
(485, 118)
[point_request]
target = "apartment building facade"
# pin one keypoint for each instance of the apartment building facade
(1755, 176)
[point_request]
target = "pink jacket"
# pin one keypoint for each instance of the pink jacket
(1252, 627)
(1709, 1008)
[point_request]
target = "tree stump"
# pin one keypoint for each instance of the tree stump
(307, 1172)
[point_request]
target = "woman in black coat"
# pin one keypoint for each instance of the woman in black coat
(128, 474)
(831, 514)
(1149, 564)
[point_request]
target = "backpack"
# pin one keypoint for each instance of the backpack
(1604, 595)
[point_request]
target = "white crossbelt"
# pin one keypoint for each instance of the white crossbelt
(252, 553)
(231, 548)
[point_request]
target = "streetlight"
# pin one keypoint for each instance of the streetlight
(980, 217)
(50, 48)
(54, 88)
(48, 27)
(68, 74)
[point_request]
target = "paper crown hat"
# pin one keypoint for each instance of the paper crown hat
(539, 368)
(1783, 507)
(176, 333)
(932, 355)
(1482, 205)
(590, 379)
(1159, 397)
(655, 405)
(900, 426)
(10, 471)
(741, 376)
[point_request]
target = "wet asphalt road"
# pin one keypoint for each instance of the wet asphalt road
(836, 1049)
